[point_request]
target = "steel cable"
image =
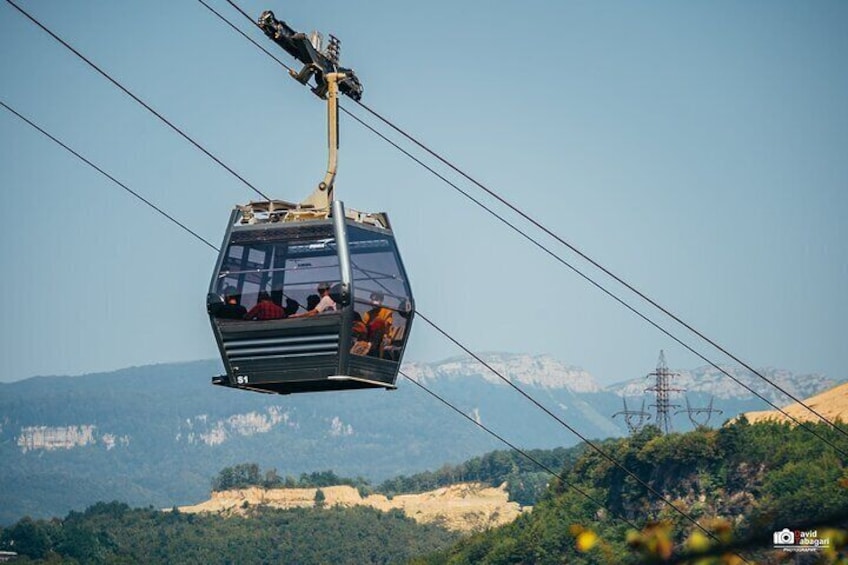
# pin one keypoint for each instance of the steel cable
(563, 242)
(107, 175)
(137, 99)
(426, 319)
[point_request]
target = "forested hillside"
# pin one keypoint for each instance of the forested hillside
(155, 435)
(742, 483)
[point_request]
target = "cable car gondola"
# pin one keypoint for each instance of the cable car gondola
(279, 259)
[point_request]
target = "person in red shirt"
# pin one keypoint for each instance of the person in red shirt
(265, 309)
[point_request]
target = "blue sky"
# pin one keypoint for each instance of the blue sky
(699, 150)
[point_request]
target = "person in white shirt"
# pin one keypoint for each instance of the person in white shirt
(326, 304)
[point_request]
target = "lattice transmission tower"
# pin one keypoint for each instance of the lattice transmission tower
(700, 416)
(663, 389)
(635, 419)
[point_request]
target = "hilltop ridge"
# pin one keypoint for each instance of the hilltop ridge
(461, 507)
(67, 442)
(539, 370)
(832, 404)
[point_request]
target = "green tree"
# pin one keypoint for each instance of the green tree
(31, 538)
(320, 498)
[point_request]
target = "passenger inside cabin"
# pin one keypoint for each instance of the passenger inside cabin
(325, 302)
(360, 332)
(231, 309)
(378, 321)
(312, 301)
(291, 307)
(265, 309)
(393, 344)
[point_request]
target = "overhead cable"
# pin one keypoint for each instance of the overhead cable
(520, 451)
(658, 495)
(139, 100)
(539, 405)
(244, 35)
(551, 253)
(599, 286)
(107, 175)
(591, 444)
(426, 319)
(595, 263)
(210, 245)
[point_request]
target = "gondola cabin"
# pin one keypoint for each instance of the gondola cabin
(263, 297)
(310, 297)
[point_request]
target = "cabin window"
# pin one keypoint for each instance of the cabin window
(381, 295)
(289, 271)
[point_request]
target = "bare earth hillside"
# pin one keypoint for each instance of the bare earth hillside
(465, 507)
(832, 404)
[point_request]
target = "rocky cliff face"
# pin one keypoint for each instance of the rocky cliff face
(50, 438)
(465, 507)
(202, 429)
(542, 371)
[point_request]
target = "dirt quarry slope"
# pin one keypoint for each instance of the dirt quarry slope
(465, 507)
(832, 404)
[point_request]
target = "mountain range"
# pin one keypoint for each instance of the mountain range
(157, 435)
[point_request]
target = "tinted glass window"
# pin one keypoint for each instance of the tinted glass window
(288, 271)
(381, 295)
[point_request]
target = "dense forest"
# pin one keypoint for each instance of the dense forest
(115, 533)
(741, 483)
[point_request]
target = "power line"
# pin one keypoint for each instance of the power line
(549, 252)
(251, 186)
(595, 263)
(425, 318)
(519, 450)
(597, 449)
(244, 35)
(194, 234)
(137, 99)
(723, 549)
(107, 175)
(591, 280)
(424, 147)
(570, 428)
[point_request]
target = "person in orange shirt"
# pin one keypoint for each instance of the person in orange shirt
(378, 320)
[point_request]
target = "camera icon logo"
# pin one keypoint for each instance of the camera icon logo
(784, 537)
